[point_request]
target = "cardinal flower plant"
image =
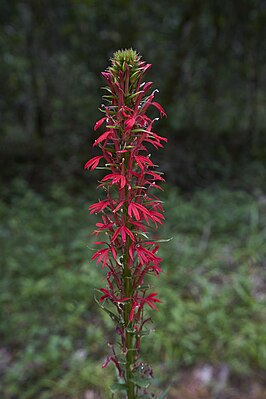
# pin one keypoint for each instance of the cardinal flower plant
(128, 213)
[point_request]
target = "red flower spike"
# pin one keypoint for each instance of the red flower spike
(128, 208)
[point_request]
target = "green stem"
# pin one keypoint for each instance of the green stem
(130, 355)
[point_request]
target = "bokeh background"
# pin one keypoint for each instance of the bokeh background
(209, 62)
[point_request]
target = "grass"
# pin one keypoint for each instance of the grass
(53, 335)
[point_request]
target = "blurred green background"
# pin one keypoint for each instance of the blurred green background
(209, 62)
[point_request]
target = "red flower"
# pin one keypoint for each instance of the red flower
(116, 178)
(92, 163)
(102, 255)
(99, 206)
(139, 302)
(111, 296)
(123, 231)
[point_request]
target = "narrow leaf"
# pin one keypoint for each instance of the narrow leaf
(116, 388)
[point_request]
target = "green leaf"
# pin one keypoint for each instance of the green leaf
(116, 387)
(113, 127)
(106, 88)
(143, 234)
(134, 75)
(113, 316)
(139, 130)
(145, 287)
(140, 382)
(163, 394)
(163, 240)
(139, 333)
(110, 149)
(144, 332)
(135, 94)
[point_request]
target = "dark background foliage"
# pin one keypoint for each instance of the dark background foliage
(209, 62)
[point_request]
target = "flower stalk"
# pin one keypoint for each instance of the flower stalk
(129, 211)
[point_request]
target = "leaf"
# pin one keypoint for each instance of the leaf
(163, 240)
(116, 387)
(112, 126)
(144, 287)
(139, 130)
(163, 394)
(110, 149)
(135, 94)
(139, 333)
(144, 332)
(143, 234)
(140, 382)
(113, 316)
(134, 75)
